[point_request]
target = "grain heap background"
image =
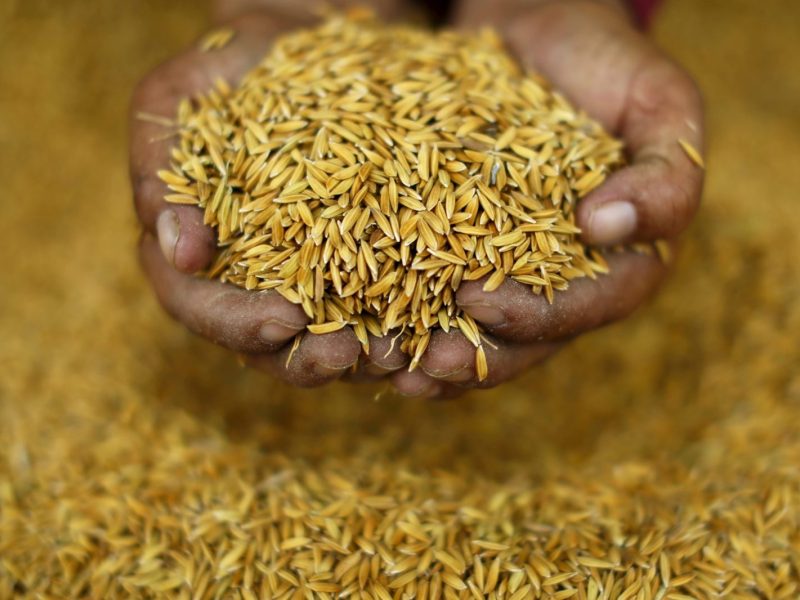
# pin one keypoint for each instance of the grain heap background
(129, 447)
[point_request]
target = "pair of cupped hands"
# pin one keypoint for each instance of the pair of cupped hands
(590, 50)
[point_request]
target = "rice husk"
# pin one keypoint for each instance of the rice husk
(365, 171)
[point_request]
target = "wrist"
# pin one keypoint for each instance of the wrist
(498, 14)
(224, 10)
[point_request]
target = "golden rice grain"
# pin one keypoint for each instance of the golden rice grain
(481, 367)
(321, 328)
(367, 170)
(693, 153)
(217, 39)
(130, 464)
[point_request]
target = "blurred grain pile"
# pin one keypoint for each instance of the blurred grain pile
(659, 459)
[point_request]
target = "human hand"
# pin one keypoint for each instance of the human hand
(176, 244)
(591, 52)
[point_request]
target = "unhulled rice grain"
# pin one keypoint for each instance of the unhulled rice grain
(217, 39)
(364, 171)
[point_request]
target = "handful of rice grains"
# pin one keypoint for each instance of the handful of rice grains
(364, 171)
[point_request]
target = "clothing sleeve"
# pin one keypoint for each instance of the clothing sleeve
(644, 10)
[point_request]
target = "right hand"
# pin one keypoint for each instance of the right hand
(591, 52)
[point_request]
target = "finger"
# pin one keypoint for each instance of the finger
(386, 9)
(416, 384)
(186, 242)
(659, 193)
(513, 312)
(451, 357)
(359, 374)
(242, 320)
(383, 358)
(588, 51)
(592, 54)
(315, 360)
(384, 354)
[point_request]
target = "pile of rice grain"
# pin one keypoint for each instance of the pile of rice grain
(365, 171)
(656, 462)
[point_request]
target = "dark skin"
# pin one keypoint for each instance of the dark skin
(591, 51)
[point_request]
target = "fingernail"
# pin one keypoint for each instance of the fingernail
(612, 222)
(485, 313)
(458, 376)
(168, 229)
(332, 369)
(372, 368)
(275, 330)
(429, 391)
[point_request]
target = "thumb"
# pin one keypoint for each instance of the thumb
(592, 54)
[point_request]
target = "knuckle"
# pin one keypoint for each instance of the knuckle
(679, 204)
(664, 88)
(520, 23)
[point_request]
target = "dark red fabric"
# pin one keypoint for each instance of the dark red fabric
(644, 10)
